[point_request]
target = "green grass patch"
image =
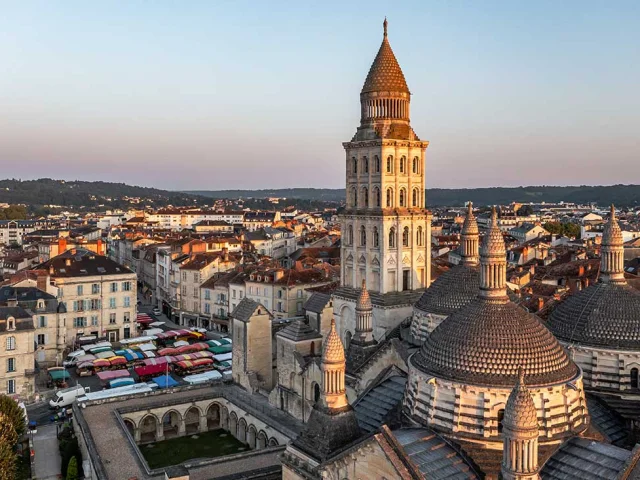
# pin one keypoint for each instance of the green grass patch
(174, 451)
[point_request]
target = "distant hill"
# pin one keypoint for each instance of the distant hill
(621, 195)
(45, 191)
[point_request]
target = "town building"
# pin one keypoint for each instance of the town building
(13, 231)
(17, 358)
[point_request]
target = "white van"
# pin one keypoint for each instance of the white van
(64, 398)
(72, 358)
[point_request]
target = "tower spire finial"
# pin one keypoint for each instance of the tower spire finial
(384, 24)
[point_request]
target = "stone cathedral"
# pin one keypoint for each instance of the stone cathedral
(386, 228)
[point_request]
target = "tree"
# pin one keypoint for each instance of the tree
(72, 469)
(15, 414)
(8, 439)
(524, 211)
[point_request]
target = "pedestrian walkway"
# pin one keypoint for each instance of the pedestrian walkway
(47, 455)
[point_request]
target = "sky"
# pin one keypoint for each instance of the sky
(229, 94)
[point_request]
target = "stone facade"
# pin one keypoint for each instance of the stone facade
(17, 359)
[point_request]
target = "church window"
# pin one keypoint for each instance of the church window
(415, 165)
(419, 236)
(389, 164)
(354, 197)
(402, 162)
(405, 237)
(389, 197)
(403, 194)
(376, 237)
(365, 197)
(376, 196)
(415, 197)
(634, 378)
(392, 237)
(376, 164)
(350, 235)
(500, 419)
(363, 236)
(316, 392)
(365, 164)
(354, 165)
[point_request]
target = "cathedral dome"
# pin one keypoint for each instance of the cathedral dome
(602, 315)
(451, 291)
(385, 74)
(487, 341)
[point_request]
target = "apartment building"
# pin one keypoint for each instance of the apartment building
(13, 231)
(98, 293)
(17, 360)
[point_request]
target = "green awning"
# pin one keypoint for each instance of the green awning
(59, 375)
(221, 349)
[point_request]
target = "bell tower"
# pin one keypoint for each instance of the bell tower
(386, 229)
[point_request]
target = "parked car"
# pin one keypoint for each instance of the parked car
(156, 311)
(72, 358)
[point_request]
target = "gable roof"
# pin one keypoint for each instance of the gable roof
(246, 308)
(317, 302)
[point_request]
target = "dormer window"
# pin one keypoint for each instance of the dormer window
(259, 278)
(40, 305)
(11, 323)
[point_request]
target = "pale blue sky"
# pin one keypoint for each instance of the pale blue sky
(221, 94)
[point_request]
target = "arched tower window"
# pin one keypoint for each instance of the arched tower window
(405, 237)
(350, 235)
(354, 197)
(363, 236)
(402, 164)
(634, 378)
(316, 392)
(376, 164)
(376, 237)
(500, 419)
(415, 197)
(390, 164)
(389, 197)
(376, 196)
(415, 165)
(354, 165)
(403, 195)
(392, 237)
(365, 197)
(365, 164)
(419, 237)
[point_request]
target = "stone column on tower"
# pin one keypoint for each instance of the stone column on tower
(363, 342)
(520, 430)
(493, 263)
(612, 251)
(469, 238)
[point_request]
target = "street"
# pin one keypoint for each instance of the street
(47, 455)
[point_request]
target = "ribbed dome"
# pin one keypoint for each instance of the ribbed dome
(601, 315)
(385, 74)
(451, 291)
(364, 301)
(470, 225)
(333, 351)
(520, 411)
(487, 341)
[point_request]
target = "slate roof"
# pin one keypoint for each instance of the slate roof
(584, 459)
(83, 263)
(298, 331)
(487, 341)
(375, 405)
(451, 291)
(245, 309)
(601, 315)
(607, 422)
(317, 302)
(435, 458)
(24, 320)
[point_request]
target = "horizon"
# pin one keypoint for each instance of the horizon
(507, 95)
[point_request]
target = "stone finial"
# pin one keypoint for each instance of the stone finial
(469, 238)
(493, 262)
(364, 301)
(333, 351)
(384, 26)
(333, 368)
(612, 251)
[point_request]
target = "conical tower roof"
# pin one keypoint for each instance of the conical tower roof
(520, 412)
(493, 242)
(612, 234)
(385, 74)
(470, 225)
(364, 301)
(333, 350)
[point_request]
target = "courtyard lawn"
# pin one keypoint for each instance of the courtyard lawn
(174, 451)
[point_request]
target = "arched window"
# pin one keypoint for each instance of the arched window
(405, 237)
(389, 164)
(376, 164)
(354, 164)
(365, 164)
(11, 323)
(354, 197)
(500, 419)
(402, 162)
(365, 197)
(363, 236)
(419, 236)
(350, 235)
(389, 197)
(316, 392)
(402, 197)
(634, 378)
(392, 237)
(376, 196)
(376, 237)
(415, 165)
(415, 197)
